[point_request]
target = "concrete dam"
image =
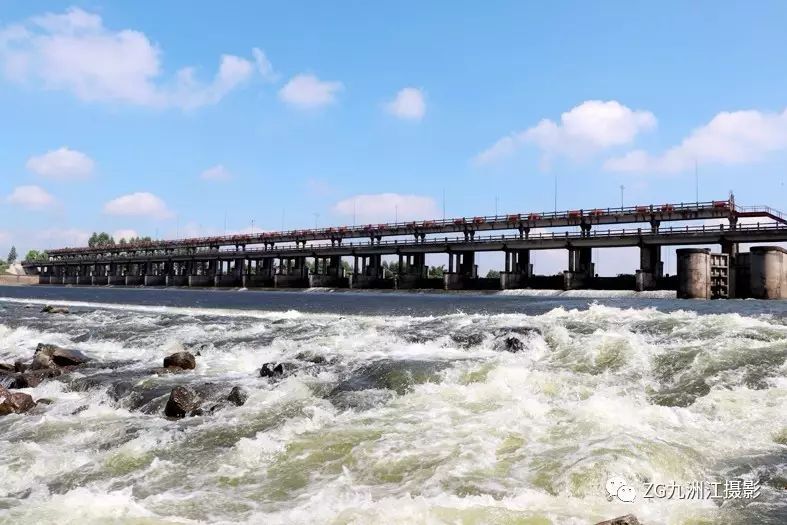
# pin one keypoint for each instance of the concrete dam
(319, 257)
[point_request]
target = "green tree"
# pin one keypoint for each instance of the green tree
(12, 256)
(493, 274)
(436, 272)
(100, 239)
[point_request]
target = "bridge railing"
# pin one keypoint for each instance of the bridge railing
(413, 226)
(566, 235)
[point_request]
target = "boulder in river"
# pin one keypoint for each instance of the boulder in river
(4, 367)
(53, 356)
(275, 369)
(50, 309)
(238, 396)
(14, 402)
(183, 400)
(513, 344)
(33, 378)
(181, 360)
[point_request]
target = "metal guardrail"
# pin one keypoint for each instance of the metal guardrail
(594, 234)
(413, 226)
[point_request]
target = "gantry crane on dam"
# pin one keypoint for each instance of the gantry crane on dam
(279, 259)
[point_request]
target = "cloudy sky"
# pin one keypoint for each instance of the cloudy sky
(185, 118)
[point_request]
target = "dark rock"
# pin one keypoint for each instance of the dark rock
(80, 409)
(49, 309)
(182, 400)
(275, 369)
(513, 344)
(311, 357)
(44, 401)
(182, 360)
(51, 356)
(30, 379)
(399, 376)
(238, 396)
(4, 367)
(14, 402)
(19, 366)
(628, 519)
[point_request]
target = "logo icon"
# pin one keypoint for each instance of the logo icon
(618, 487)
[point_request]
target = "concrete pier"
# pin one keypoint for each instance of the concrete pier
(518, 270)
(694, 274)
(768, 272)
(651, 269)
(580, 268)
(116, 280)
(462, 271)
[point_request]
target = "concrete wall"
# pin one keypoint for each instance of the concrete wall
(70, 279)
(257, 281)
(768, 272)
(742, 270)
(177, 280)
(155, 280)
(201, 280)
(370, 281)
(227, 281)
(290, 281)
(85, 280)
(328, 281)
(134, 280)
(99, 280)
(694, 275)
(117, 279)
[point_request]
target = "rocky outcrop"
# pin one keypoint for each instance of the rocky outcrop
(181, 361)
(183, 401)
(53, 356)
(50, 309)
(14, 402)
(238, 396)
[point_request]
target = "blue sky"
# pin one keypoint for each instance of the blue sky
(167, 118)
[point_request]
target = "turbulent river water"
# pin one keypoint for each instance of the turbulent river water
(398, 408)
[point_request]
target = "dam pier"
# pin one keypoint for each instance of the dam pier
(358, 256)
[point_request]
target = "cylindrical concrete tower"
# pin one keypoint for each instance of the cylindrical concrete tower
(768, 272)
(694, 273)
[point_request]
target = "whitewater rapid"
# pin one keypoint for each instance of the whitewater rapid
(397, 418)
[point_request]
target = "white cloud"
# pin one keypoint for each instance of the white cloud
(124, 234)
(585, 129)
(61, 164)
(730, 138)
(408, 104)
(60, 237)
(74, 51)
(139, 204)
(32, 197)
(308, 91)
(216, 173)
(264, 66)
(385, 207)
